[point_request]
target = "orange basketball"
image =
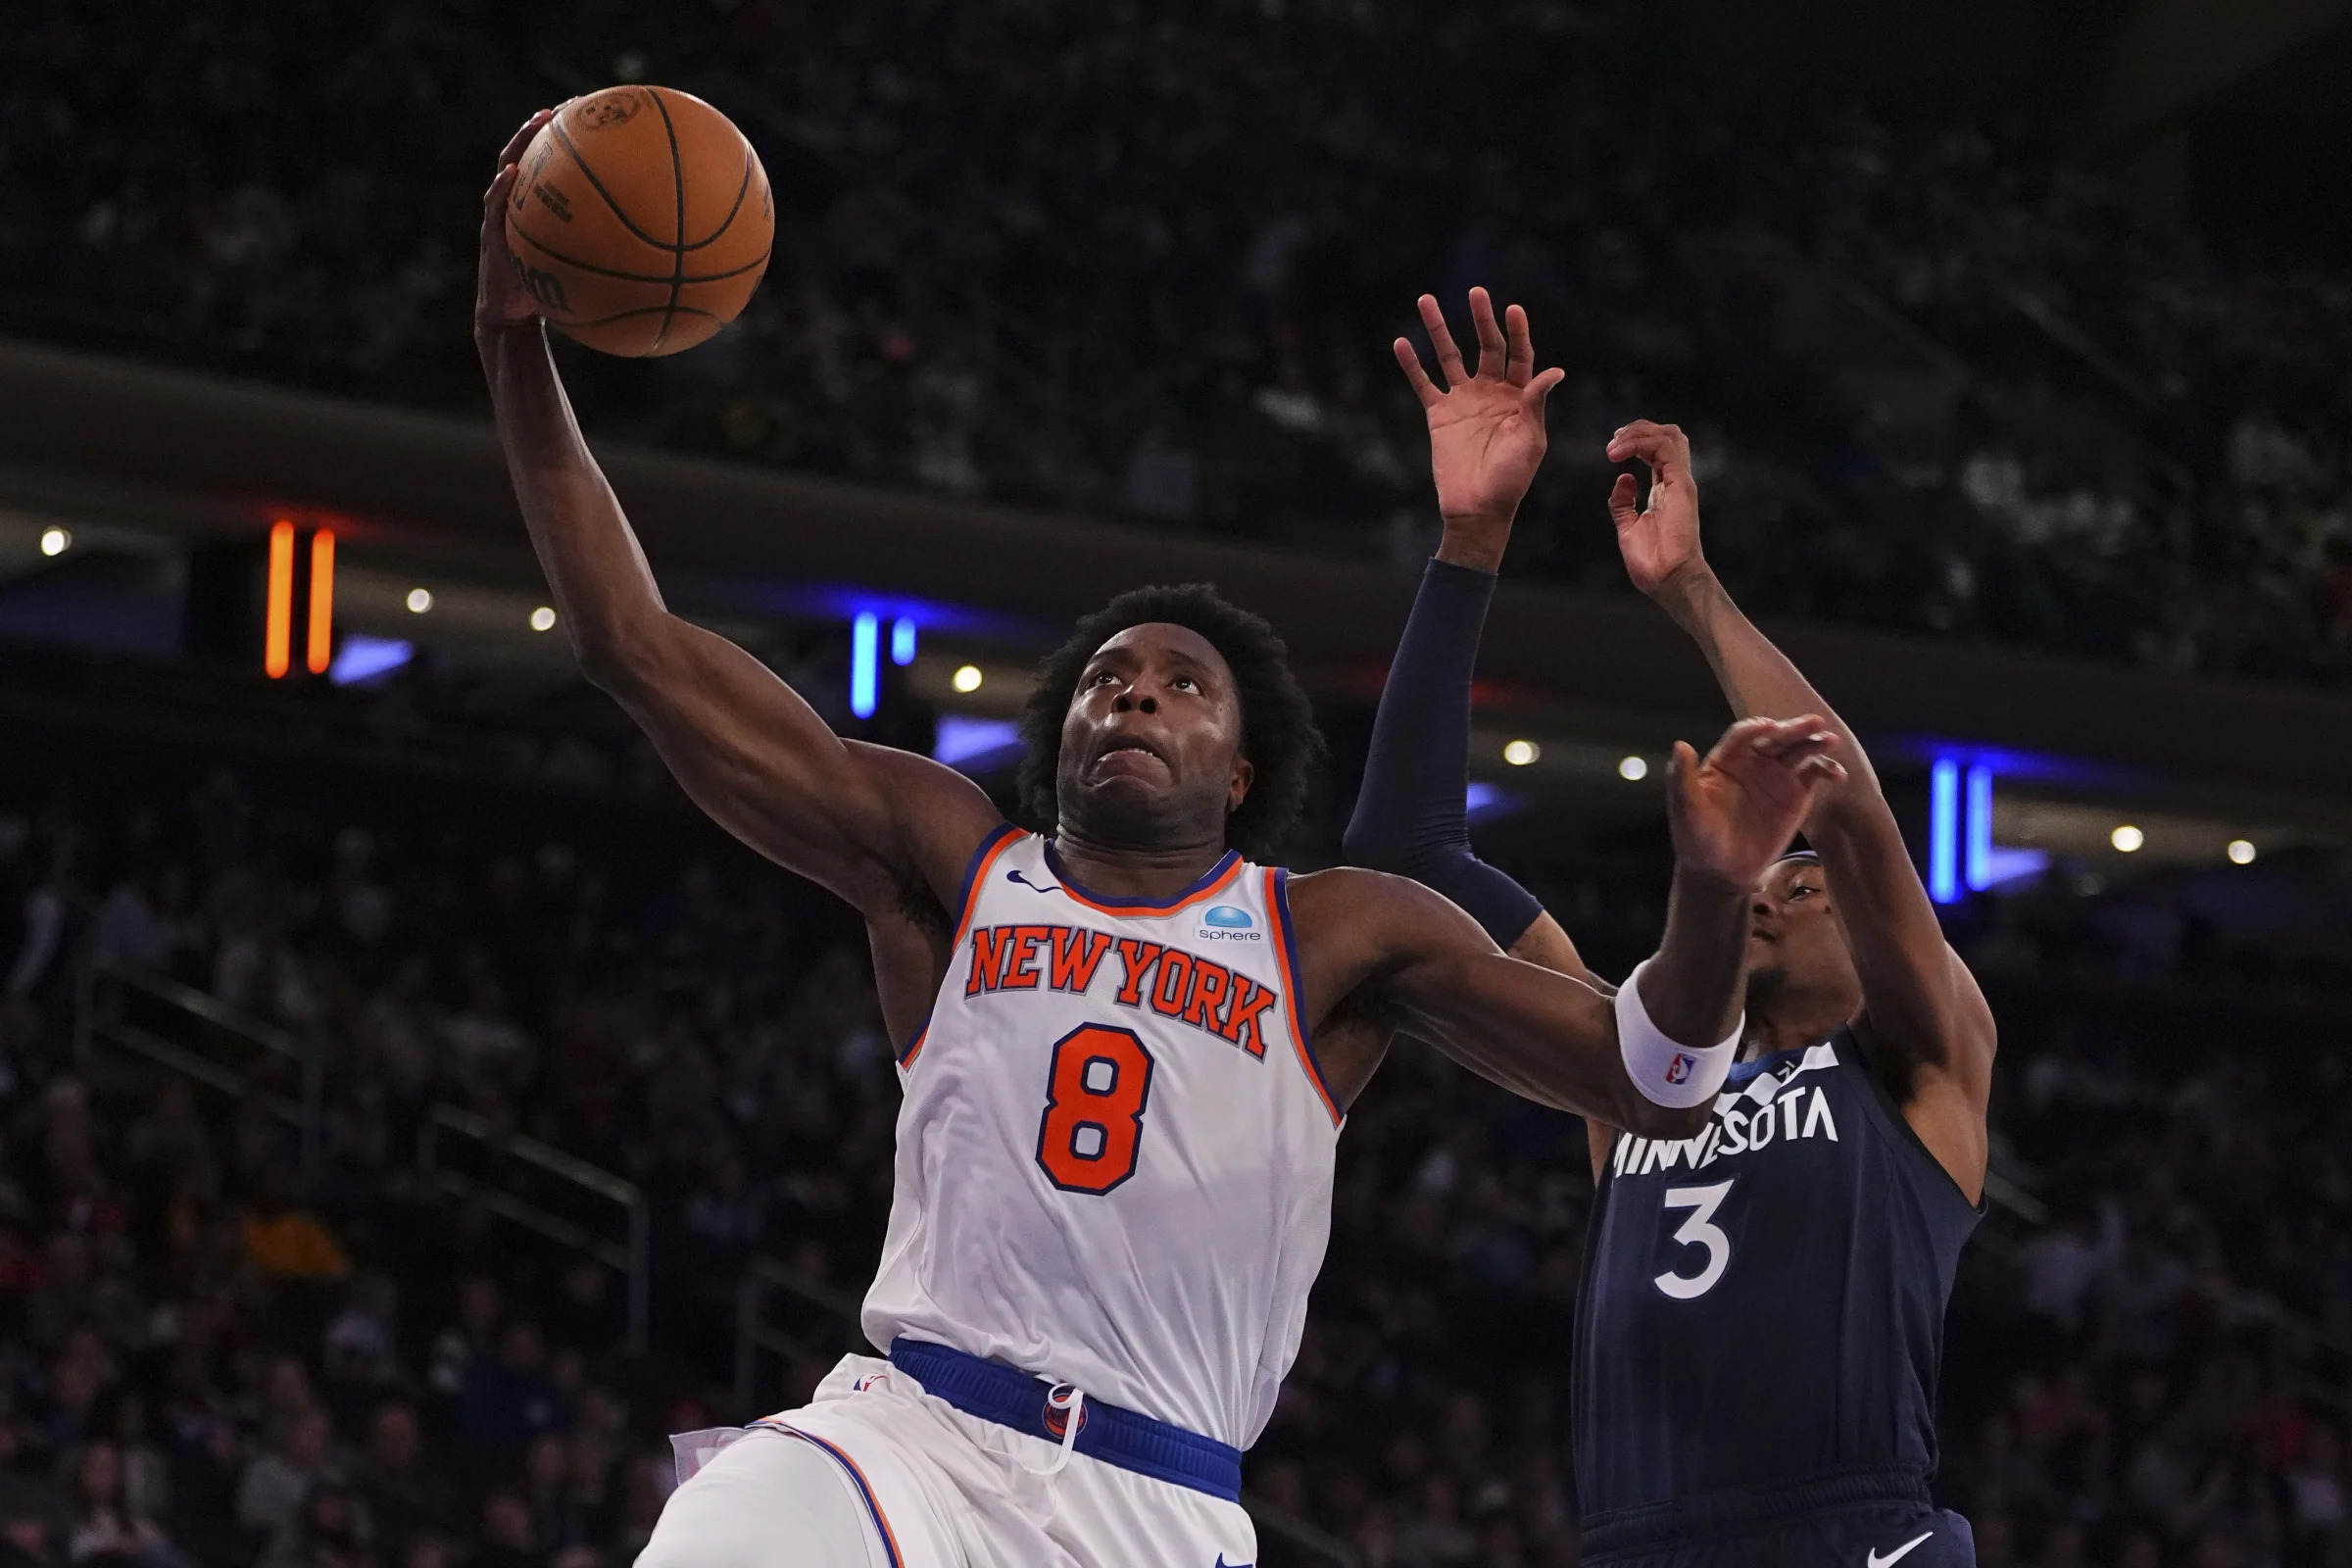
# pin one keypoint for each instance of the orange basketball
(641, 220)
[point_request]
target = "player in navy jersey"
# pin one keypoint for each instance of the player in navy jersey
(1763, 1314)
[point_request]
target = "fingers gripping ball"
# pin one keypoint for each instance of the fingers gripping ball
(640, 221)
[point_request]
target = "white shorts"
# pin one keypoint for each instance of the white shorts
(875, 1473)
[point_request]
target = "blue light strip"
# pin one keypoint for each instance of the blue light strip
(1977, 841)
(902, 640)
(1944, 831)
(864, 677)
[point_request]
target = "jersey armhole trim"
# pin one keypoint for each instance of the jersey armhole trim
(1900, 1128)
(865, 1491)
(1286, 950)
(974, 872)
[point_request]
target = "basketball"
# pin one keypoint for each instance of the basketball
(641, 221)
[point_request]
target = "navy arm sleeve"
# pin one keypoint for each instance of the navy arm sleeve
(1412, 816)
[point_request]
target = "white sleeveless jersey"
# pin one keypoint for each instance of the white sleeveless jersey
(1115, 1156)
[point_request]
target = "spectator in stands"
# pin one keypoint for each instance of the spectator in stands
(270, 1498)
(105, 1528)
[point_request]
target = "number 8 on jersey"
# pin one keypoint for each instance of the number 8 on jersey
(1094, 1098)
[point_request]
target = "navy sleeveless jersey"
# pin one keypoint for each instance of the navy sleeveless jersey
(1763, 1305)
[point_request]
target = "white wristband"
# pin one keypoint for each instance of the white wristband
(1667, 1072)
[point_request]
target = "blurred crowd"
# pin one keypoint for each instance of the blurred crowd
(213, 1353)
(1143, 259)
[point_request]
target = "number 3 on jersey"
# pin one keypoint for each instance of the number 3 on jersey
(1094, 1117)
(1699, 1230)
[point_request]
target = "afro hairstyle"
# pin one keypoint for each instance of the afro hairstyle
(1278, 723)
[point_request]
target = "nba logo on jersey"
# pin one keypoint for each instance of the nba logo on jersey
(1678, 1070)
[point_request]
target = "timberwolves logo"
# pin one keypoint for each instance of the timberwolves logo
(1059, 1400)
(1224, 923)
(1678, 1071)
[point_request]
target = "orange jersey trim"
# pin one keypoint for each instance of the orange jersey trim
(984, 860)
(866, 1488)
(1278, 904)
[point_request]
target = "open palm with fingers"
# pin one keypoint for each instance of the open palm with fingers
(1735, 812)
(1486, 427)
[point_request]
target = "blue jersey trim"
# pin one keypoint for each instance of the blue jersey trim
(1297, 1001)
(1140, 905)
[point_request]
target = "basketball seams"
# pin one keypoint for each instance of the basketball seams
(742, 189)
(545, 248)
(677, 186)
(642, 309)
(563, 139)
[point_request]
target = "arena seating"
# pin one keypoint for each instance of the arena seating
(1145, 261)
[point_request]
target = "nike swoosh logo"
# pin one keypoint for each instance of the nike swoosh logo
(1015, 876)
(1897, 1554)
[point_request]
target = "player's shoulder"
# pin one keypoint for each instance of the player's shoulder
(943, 823)
(1350, 887)
(1381, 907)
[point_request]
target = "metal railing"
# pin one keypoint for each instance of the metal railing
(515, 1177)
(228, 1049)
(515, 1164)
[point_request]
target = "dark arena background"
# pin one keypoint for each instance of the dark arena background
(412, 1111)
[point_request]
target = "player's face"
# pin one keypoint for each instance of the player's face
(1796, 948)
(1152, 746)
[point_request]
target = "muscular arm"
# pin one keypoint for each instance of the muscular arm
(1923, 1017)
(888, 831)
(1375, 941)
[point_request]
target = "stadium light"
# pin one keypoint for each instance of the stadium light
(2241, 852)
(277, 626)
(1944, 831)
(2128, 839)
(321, 639)
(1521, 753)
(1633, 768)
(865, 677)
(967, 678)
(56, 541)
(902, 641)
(1976, 858)
(419, 601)
(543, 618)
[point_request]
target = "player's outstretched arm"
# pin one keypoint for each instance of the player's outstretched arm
(1486, 440)
(1921, 1008)
(1651, 1059)
(861, 820)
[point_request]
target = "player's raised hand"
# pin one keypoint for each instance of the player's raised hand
(500, 299)
(1486, 427)
(1736, 812)
(1660, 540)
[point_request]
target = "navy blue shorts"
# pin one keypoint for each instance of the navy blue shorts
(1870, 1535)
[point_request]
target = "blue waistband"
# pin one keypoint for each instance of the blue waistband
(1012, 1397)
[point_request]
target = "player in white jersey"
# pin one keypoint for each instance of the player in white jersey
(1128, 1050)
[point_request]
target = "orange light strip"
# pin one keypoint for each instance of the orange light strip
(279, 631)
(322, 600)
